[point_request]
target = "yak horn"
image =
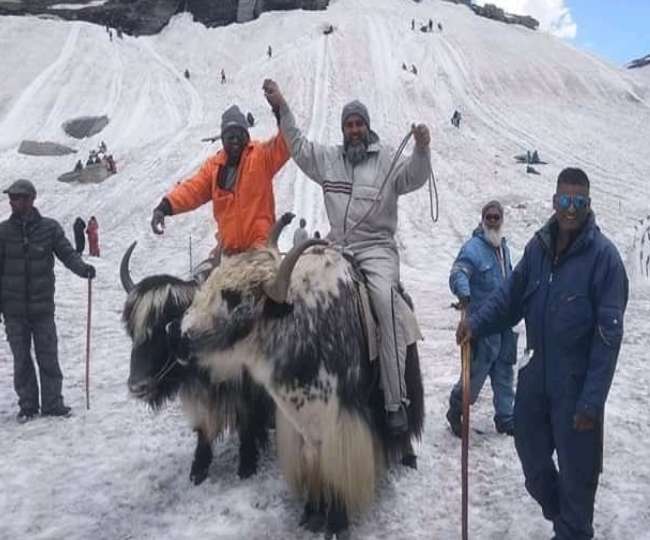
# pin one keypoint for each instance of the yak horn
(125, 275)
(274, 234)
(278, 289)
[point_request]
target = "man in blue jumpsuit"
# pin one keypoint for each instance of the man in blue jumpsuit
(571, 289)
(482, 265)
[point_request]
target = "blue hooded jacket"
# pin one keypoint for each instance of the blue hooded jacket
(573, 310)
(476, 274)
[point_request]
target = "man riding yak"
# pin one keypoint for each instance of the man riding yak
(361, 188)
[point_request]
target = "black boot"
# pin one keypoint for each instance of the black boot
(25, 415)
(60, 410)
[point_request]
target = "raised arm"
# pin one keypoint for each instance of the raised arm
(412, 173)
(308, 155)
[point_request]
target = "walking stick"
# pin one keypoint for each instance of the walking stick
(88, 344)
(465, 353)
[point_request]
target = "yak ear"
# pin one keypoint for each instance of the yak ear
(275, 310)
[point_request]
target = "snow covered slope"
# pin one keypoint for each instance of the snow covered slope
(117, 471)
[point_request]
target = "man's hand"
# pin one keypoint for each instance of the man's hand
(583, 422)
(158, 221)
(421, 135)
(89, 271)
(463, 332)
(272, 94)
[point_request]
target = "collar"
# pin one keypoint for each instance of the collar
(547, 234)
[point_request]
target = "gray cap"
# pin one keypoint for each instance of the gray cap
(21, 187)
(233, 117)
(355, 107)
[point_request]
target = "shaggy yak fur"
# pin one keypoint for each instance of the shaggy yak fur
(151, 316)
(308, 348)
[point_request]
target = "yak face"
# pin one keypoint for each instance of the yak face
(151, 315)
(225, 310)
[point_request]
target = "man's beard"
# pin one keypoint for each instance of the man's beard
(493, 236)
(356, 152)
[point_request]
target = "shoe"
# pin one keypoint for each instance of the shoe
(454, 419)
(25, 415)
(507, 428)
(397, 421)
(61, 410)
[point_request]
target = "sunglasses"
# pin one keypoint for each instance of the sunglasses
(18, 197)
(579, 202)
(492, 217)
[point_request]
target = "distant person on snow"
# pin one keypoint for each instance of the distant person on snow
(301, 235)
(404, 66)
(79, 227)
(349, 175)
(92, 231)
(110, 164)
(316, 234)
(250, 119)
(186, 73)
(430, 25)
(481, 267)
(414, 70)
(412, 24)
(29, 243)
(223, 77)
(440, 27)
(78, 166)
(238, 180)
(269, 52)
(571, 289)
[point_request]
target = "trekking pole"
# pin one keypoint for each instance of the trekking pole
(88, 343)
(465, 353)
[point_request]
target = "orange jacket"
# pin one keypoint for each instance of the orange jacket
(245, 215)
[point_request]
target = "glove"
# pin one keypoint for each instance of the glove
(89, 271)
(158, 216)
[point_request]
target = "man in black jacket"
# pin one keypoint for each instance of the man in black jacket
(79, 229)
(28, 244)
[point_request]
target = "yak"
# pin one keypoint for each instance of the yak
(296, 325)
(151, 315)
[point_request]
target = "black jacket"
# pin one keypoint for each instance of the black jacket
(27, 249)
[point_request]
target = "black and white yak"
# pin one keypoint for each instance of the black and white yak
(151, 315)
(295, 325)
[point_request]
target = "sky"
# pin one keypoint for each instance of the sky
(616, 30)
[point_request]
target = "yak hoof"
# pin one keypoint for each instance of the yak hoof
(410, 460)
(198, 474)
(246, 470)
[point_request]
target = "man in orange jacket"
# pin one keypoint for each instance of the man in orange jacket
(238, 181)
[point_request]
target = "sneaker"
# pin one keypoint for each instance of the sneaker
(397, 421)
(454, 419)
(61, 410)
(25, 415)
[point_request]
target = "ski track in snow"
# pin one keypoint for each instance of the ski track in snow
(119, 471)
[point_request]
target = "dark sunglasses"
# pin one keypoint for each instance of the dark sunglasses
(18, 197)
(579, 202)
(492, 217)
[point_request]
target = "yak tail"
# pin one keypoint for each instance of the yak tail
(345, 467)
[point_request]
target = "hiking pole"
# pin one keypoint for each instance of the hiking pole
(465, 353)
(88, 343)
(190, 254)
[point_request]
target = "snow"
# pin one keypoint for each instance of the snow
(93, 3)
(119, 471)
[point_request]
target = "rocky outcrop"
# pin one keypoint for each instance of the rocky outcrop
(491, 11)
(85, 126)
(143, 17)
(46, 148)
(639, 62)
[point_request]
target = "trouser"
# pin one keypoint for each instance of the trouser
(381, 267)
(542, 426)
(20, 333)
(80, 243)
(93, 246)
(500, 370)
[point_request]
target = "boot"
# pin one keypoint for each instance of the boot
(61, 410)
(25, 415)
